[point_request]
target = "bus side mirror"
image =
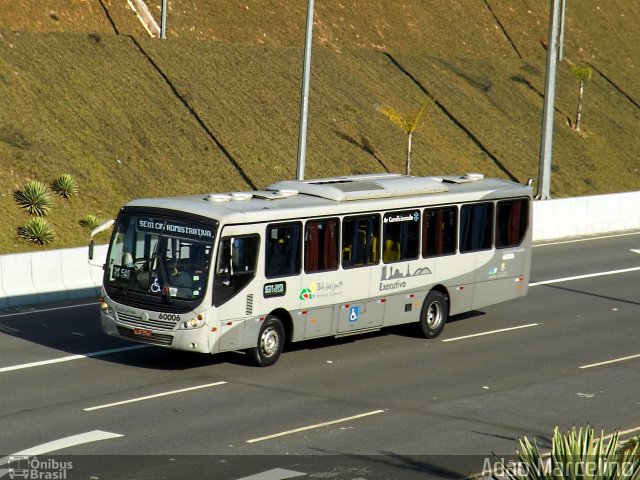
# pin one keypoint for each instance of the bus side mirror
(100, 228)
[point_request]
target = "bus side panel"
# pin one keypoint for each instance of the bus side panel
(502, 278)
(404, 307)
(360, 315)
(456, 273)
(231, 335)
(318, 322)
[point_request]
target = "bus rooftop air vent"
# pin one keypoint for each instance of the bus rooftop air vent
(241, 196)
(287, 192)
(218, 197)
(474, 176)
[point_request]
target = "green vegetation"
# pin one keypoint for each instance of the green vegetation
(34, 198)
(583, 75)
(65, 185)
(407, 124)
(575, 455)
(90, 221)
(216, 106)
(37, 231)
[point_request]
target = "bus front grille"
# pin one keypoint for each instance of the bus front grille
(154, 338)
(136, 321)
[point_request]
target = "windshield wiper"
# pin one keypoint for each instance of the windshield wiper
(161, 266)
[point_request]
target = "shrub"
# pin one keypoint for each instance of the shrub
(576, 455)
(65, 185)
(35, 198)
(38, 231)
(90, 221)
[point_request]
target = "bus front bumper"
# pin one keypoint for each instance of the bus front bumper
(192, 340)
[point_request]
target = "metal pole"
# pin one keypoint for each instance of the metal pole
(544, 177)
(163, 20)
(561, 41)
(304, 101)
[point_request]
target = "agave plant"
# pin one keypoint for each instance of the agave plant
(65, 185)
(34, 198)
(38, 231)
(576, 455)
(90, 221)
(629, 445)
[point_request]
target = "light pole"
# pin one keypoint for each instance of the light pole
(304, 100)
(163, 20)
(544, 177)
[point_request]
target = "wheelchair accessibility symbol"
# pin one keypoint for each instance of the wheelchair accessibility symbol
(155, 286)
(354, 313)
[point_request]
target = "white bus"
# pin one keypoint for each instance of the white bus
(308, 259)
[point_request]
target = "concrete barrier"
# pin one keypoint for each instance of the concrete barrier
(584, 216)
(40, 277)
(31, 278)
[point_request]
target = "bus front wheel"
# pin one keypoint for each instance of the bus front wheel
(435, 312)
(270, 342)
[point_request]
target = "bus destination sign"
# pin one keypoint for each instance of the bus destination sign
(175, 228)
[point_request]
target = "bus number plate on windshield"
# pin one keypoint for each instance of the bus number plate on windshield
(142, 332)
(121, 273)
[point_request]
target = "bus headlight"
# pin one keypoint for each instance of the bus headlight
(195, 322)
(104, 306)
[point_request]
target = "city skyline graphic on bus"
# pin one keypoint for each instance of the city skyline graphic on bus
(395, 274)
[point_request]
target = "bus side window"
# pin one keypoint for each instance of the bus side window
(439, 231)
(321, 245)
(512, 222)
(235, 266)
(401, 236)
(360, 245)
(476, 227)
(283, 251)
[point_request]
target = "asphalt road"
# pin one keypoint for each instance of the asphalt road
(384, 405)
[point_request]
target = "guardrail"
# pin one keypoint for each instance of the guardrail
(41, 277)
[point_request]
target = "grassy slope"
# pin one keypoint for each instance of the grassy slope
(77, 102)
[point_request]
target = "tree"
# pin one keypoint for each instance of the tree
(583, 74)
(407, 124)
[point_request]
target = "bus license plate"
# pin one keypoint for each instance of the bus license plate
(142, 332)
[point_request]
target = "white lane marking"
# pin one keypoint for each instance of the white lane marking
(607, 362)
(580, 277)
(8, 329)
(61, 443)
(275, 474)
(577, 240)
(28, 312)
(71, 357)
(312, 427)
(491, 332)
(635, 251)
(148, 397)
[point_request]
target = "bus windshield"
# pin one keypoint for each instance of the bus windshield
(159, 257)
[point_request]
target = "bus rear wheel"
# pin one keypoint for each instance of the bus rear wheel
(435, 312)
(270, 342)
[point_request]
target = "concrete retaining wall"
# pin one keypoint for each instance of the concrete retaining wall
(31, 278)
(40, 277)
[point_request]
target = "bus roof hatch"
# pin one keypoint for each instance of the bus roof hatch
(362, 187)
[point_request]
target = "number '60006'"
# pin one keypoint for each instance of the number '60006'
(169, 316)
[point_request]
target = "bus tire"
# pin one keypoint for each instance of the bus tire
(434, 314)
(270, 342)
